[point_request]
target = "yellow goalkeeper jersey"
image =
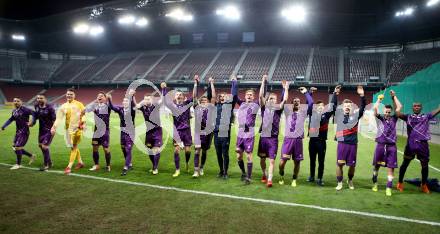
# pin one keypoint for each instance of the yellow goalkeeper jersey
(73, 113)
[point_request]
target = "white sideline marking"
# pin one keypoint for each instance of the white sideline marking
(265, 201)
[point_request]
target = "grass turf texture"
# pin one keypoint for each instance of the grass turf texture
(29, 195)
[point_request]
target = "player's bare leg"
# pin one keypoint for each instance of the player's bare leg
(351, 170)
(390, 178)
(241, 164)
(108, 159)
(187, 157)
(271, 168)
(296, 167)
(339, 176)
(177, 160)
(263, 169)
(281, 168)
(196, 162)
(374, 179)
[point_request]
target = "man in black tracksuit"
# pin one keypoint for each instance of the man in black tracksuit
(222, 130)
(318, 129)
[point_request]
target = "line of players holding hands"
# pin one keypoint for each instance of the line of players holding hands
(218, 126)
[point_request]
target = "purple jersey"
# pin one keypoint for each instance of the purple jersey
(46, 116)
(126, 117)
(101, 112)
(294, 122)
(386, 130)
(247, 114)
(181, 112)
(21, 117)
(205, 116)
(271, 117)
(151, 115)
(418, 126)
(347, 124)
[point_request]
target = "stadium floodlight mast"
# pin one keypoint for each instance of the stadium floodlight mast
(81, 28)
(407, 12)
(295, 14)
(18, 37)
(127, 19)
(180, 15)
(432, 3)
(229, 12)
(96, 30)
(141, 22)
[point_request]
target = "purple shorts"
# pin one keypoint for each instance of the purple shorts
(385, 155)
(153, 138)
(126, 140)
(419, 148)
(45, 138)
(185, 137)
(103, 140)
(245, 144)
(292, 149)
(268, 147)
(21, 139)
(346, 154)
(203, 141)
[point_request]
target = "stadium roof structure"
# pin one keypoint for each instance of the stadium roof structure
(48, 24)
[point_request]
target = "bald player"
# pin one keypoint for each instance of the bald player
(20, 115)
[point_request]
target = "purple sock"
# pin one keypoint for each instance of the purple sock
(19, 154)
(151, 159)
(389, 184)
(187, 156)
(339, 178)
(124, 152)
(96, 157)
(249, 172)
(196, 160)
(46, 156)
(177, 160)
(156, 161)
(128, 158)
(26, 153)
(108, 158)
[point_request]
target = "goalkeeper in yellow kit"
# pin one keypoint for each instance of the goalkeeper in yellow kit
(72, 112)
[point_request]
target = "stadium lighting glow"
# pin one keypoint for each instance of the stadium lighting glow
(96, 30)
(180, 15)
(407, 12)
(18, 37)
(295, 14)
(229, 12)
(431, 3)
(126, 19)
(142, 22)
(81, 28)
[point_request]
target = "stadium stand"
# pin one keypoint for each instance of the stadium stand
(89, 73)
(224, 65)
(165, 66)
(25, 92)
(5, 67)
(292, 63)
(115, 67)
(39, 70)
(139, 67)
(360, 67)
(69, 69)
(410, 63)
(195, 64)
(325, 66)
(256, 64)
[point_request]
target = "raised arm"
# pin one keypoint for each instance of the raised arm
(212, 96)
(195, 88)
(284, 93)
(376, 105)
(334, 100)
(234, 90)
(360, 91)
(397, 105)
(110, 103)
(309, 99)
(263, 88)
(436, 111)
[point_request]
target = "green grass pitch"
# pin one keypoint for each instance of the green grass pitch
(46, 202)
